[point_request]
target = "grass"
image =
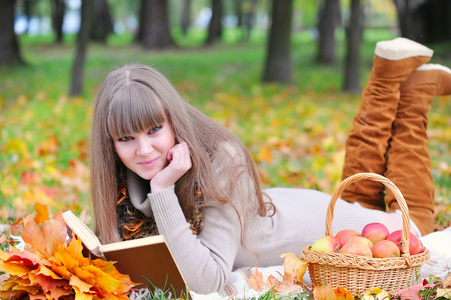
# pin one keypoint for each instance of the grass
(295, 132)
(311, 116)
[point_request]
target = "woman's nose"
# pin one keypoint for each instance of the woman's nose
(144, 146)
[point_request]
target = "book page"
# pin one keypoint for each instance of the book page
(89, 239)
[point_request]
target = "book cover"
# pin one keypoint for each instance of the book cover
(148, 260)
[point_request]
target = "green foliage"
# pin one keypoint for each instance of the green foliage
(296, 132)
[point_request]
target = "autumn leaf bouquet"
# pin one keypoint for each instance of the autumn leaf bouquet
(51, 267)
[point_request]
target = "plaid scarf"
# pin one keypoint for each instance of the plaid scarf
(133, 224)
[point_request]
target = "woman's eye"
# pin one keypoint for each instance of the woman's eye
(155, 129)
(125, 138)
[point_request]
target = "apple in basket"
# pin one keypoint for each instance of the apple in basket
(345, 235)
(326, 244)
(375, 232)
(357, 246)
(414, 245)
(421, 248)
(364, 240)
(385, 249)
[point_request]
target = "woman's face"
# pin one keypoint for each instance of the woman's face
(145, 153)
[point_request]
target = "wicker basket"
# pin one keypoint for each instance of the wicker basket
(359, 273)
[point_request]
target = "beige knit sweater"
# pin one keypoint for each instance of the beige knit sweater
(206, 260)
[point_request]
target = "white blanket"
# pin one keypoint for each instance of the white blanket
(438, 243)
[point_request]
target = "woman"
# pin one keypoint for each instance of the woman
(159, 166)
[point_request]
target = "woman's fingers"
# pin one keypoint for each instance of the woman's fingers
(179, 162)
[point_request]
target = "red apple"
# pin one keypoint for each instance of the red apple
(414, 245)
(421, 247)
(326, 244)
(364, 240)
(375, 232)
(356, 247)
(385, 249)
(345, 235)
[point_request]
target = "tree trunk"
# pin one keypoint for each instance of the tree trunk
(249, 17)
(354, 32)
(141, 21)
(58, 11)
(76, 87)
(329, 18)
(278, 63)
(405, 18)
(186, 16)
(9, 45)
(102, 21)
(155, 30)
(432, 21)
(28, 6)
(238, 7)
(215, 26)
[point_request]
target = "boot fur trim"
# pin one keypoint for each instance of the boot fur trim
(400, 48)
(429, 67)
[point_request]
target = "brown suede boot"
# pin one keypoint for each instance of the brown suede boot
(367, 143)
(408, 160)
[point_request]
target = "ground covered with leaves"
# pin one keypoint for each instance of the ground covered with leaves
(296, 133)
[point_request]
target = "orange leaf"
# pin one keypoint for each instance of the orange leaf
(294, 266)
(55, 232)
(103, 280)
(445, 293)
(61, 292)
(38, 297)
(25, 258)
(446, 282)
(14, 268)
(271, 282)
(46, 240)
(256, 281)
(79, 285)
(34, 236)
(17, 227)
(42, 213)
(287, 285)
(328, 293)
(47, 283)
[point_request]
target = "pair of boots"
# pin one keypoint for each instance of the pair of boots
(389, 135)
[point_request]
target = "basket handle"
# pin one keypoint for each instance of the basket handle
(389, 184)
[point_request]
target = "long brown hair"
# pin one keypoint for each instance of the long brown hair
(134, 97)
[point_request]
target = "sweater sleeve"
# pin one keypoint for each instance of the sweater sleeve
(205, 260)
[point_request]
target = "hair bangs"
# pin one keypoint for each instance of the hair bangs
(134, 108)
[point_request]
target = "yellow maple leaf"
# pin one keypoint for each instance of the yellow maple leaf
(294, 266)
(376, 294)
(329, 293)
(446, 293)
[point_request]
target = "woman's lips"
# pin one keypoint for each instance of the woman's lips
(148, 163)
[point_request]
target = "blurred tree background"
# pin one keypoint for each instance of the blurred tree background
(284, 75)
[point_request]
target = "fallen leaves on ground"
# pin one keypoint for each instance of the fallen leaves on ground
(294, 270)
(329, 293)
(51, 268)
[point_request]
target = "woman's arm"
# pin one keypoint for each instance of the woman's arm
(205, 260)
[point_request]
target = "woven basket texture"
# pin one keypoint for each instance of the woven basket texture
(359, 273)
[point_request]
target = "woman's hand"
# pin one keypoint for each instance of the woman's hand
(179, 162)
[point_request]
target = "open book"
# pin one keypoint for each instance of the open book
(148, 260)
